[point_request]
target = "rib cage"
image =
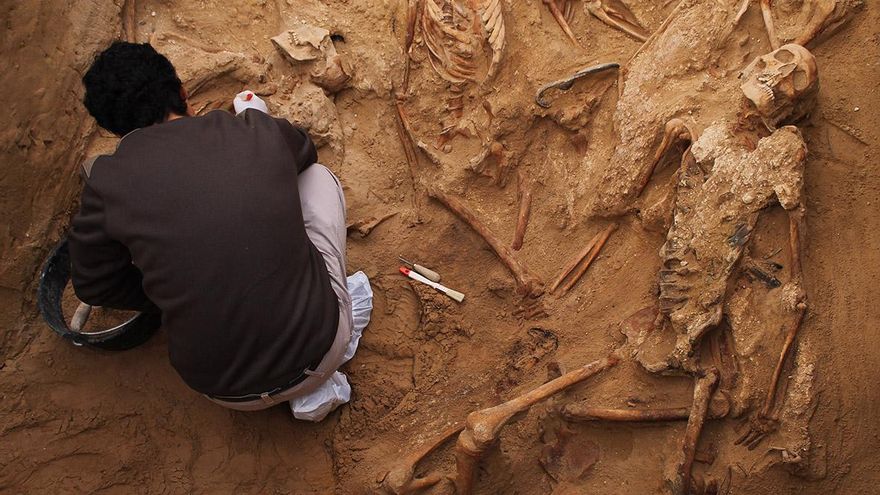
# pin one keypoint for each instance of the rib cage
(450, 49)
(452, 45)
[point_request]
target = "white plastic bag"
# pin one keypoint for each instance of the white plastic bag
(323, 400)
(361, 308)
(336, 390)
(247, 99)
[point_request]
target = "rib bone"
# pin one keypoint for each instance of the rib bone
(559, 15)
(483, 427)
(568, 82)
(527, 283)
(493, 24)
(617, 15)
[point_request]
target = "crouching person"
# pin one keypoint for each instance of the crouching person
(228, 225)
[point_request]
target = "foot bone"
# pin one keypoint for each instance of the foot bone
(400, 479)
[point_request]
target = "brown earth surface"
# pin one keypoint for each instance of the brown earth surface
(77, 420)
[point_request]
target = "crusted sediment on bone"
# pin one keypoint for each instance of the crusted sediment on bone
(714, 216)
(658, 84)
(797, 410)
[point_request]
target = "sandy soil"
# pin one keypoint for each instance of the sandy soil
(79, 420)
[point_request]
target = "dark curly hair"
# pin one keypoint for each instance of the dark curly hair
(130, 86)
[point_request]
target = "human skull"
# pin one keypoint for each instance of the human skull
(782, 84)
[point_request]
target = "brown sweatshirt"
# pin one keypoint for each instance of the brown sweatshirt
(201, 216)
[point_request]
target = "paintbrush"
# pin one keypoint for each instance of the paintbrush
(421, 270)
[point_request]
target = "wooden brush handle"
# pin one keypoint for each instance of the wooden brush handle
(426, 272)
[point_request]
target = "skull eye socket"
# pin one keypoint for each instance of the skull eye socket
(800, 80)
(783, 56)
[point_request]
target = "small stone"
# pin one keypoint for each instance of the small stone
(684, 263)
(153, 13)
(748, 197)
(856, 109)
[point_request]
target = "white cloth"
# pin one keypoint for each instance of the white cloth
(336, 390)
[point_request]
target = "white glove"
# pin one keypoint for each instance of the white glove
(247, 99)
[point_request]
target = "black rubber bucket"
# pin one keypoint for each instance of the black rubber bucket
(53, 280)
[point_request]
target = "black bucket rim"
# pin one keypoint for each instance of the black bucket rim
(54, 276)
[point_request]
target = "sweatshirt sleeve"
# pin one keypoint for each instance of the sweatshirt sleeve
(103, 274)
(300, 144)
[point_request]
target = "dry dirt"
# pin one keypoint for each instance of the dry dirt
(78, 420)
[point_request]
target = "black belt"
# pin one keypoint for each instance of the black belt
(302, 375)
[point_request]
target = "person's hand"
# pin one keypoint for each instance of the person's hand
(247, 99)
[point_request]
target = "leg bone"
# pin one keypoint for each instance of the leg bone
(527, 283)
(681, 480)
(525, 210)
(414, 10)
(719, 407)
(483, 427)
(676, 131)
(129, 23)
(405, 135)
(575, 262)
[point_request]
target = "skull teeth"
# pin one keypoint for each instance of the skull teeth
(768, 92)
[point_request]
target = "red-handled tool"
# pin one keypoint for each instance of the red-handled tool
(454, 294)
